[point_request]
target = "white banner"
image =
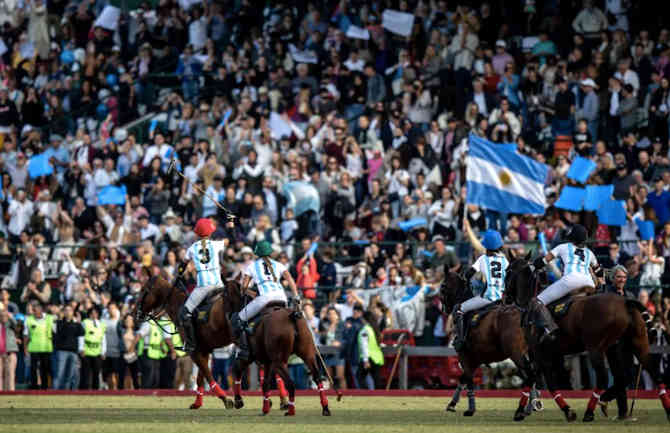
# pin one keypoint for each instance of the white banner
(356, 32)
(109, 18)
(397, 22)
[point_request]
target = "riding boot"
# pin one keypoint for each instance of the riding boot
(186, 322)
(459, 341)
(240, 335)
(544, 322)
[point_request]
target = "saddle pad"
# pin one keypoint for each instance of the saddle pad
(476, 316)
(272, 306)
(201, 314)
(560, 308)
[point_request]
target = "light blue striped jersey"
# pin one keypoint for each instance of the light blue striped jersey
(205, 257)
(267, 278)
(494, 269)
(575, 259)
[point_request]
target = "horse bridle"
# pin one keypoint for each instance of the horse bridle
(142, 316)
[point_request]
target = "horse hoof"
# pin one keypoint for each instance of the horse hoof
(519, 415)
(603, 408)
(283, 405)
(469, 412)
(588, 416)
(287, 413)
(325, 411)
(339, 395)
(451, 407)
(537, 405)
(228, 403)
(195, 406)
(239, 403)
(570, 415)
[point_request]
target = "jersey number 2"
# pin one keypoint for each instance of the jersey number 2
(204, 256)
(496, 267)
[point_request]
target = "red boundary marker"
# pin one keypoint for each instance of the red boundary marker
(507, 393)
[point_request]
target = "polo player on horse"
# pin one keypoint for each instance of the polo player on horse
(266, 274)
(579, 266)
(493, 266)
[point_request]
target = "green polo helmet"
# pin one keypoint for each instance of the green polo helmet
(263, 249)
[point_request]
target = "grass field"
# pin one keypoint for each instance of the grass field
(354, 414)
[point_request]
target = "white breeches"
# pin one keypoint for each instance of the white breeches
(197, 296)
(259, 302)
(565, 285)
(474, 303)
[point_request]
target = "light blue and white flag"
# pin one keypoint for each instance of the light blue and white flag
(504, 181)
(301, 197)
(407, 304)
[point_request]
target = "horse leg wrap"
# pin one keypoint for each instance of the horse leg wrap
(198, 396)
(282, 389)
(558, 398)
(525, 395)
(216, 389)
(237, 388)
(457, 395)
(665, 398)
(593, 401)
(471, 400)
(322, 395)
(291, 407)
(267, 404)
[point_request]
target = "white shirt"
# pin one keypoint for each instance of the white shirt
(205, 255)
(629, 77)
(354, 66)
(19, 216)
(149, 231)
(480, 100)
(267, 278)
(575, 259)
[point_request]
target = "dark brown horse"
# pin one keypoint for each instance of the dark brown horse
(593, 324)
(158, 294)
(497, 336)
(279, 332)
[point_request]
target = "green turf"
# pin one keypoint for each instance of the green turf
(353, 414)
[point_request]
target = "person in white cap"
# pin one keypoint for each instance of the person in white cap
(501, 58)
(589, 108)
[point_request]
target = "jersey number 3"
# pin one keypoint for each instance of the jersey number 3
(204, 256)
(496, 268)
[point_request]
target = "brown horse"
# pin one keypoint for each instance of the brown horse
(593, 324)
(278, 333)
(497, 337)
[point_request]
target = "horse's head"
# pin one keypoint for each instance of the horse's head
(521, 280)
(153, 296)
(453, 291)
(232, 293)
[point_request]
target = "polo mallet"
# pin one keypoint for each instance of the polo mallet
(325, 367)
(172, 167)
(637, 387)
(395, 361)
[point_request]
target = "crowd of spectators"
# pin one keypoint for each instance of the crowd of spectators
(379, 126)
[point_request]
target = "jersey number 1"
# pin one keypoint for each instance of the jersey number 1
(266, 269)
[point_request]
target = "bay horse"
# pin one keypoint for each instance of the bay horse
(594, 324)
(278, 333)
(497, 336)
(159, 294)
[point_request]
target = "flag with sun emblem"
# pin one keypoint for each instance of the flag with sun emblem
(504, 181)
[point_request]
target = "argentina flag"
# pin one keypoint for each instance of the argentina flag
(301, 197)
(504, 181)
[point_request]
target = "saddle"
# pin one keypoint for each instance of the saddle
(473, 318)
(270, 307)
(201, 313)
